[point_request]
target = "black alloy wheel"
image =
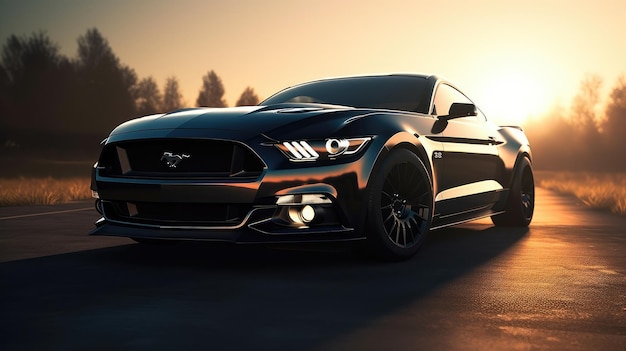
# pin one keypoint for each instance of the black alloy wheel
(400, 206)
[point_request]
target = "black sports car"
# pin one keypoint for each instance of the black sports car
(379, 159)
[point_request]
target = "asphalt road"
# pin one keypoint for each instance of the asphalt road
(559, 285)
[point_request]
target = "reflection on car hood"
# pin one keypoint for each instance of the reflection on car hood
(274, 121)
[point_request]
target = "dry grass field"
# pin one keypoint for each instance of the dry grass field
(42, 191)
(603, 191)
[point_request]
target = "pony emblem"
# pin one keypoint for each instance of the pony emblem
(173, 160)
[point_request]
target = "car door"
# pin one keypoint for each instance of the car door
(472, 169)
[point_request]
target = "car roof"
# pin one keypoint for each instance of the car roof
(416, 75)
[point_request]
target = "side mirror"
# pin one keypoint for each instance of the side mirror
(458, 110)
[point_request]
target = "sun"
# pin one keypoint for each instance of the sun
(512, 97)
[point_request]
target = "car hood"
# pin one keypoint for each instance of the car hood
(276, 121)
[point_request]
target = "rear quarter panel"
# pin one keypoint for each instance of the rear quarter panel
(515, 146)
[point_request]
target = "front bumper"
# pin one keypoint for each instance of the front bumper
(267, 206)
(252, 233)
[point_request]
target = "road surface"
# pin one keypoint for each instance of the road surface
(559, 285)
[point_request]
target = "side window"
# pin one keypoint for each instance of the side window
(445, 97)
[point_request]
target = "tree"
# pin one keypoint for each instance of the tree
(586, 152)
(212, 91)
(94, 51)
(34, 80)
(107, 89)
(581, 137)
(585, 103)
(148, 98)
(29, 56)
(4, 100)
(616, 108)
(614, 125)
(172, 98)
(248, 98)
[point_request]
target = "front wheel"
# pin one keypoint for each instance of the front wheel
(520, 205)
(399, 207)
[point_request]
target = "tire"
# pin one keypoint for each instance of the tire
(399, 207)
(520, 205)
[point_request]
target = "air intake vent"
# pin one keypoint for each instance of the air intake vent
(178, 214)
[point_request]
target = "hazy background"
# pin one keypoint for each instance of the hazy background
(553, 66)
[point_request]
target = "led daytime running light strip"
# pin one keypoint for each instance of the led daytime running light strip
(301, 150)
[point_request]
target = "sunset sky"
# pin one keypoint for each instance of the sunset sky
(514, 59)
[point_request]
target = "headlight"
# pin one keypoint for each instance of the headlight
(338, 147)
(299, 150)
(329, 149)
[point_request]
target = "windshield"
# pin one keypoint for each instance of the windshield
(405, 93)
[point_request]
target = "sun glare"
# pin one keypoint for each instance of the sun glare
(510, 98)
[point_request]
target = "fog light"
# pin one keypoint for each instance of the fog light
(294, 215)
(307, 214)
(302, 215)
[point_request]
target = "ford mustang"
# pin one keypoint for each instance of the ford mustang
(379, 160)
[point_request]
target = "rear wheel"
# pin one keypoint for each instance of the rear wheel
(399, 208)
(520, 205)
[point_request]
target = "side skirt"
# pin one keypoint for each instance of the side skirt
(460, 219)
(468, 208)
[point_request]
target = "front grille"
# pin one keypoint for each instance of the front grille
(176, 214)
(179, 158)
